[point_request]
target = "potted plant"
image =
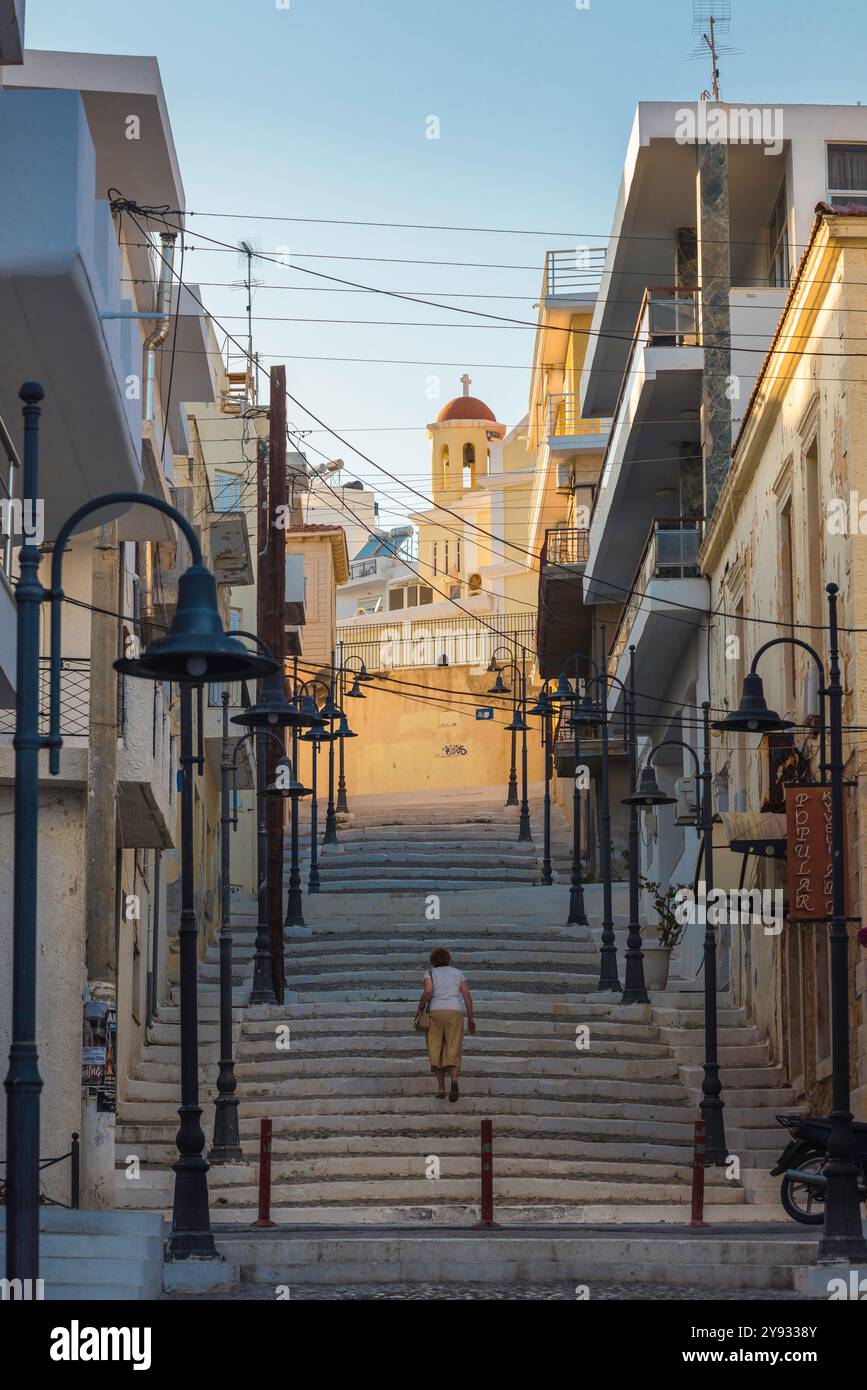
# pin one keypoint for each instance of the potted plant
(669, 930)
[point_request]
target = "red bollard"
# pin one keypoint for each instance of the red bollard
(698, 1165)
(264, 1177)
(487, 1220)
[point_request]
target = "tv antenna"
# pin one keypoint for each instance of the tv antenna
(709, 19)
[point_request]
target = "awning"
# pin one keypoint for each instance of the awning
(762, 833)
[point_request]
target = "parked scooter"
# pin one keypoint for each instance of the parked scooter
(802, 1161)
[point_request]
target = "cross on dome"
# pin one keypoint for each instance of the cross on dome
(466, 382)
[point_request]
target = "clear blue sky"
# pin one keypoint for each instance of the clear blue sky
(318, 110)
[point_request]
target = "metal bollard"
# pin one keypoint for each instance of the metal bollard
(698, 1166)
(487, 1217)
(264, 1220)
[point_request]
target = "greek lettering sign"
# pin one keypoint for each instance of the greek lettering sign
(810, 859)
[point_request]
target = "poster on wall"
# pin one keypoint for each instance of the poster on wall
(98, 1053)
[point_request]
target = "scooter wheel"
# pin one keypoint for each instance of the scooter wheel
(802, 1203)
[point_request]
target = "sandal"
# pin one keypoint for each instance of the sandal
(440, 1095)
(454, 1092)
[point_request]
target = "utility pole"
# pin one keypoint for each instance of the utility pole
(274, 633)
(98, 1125)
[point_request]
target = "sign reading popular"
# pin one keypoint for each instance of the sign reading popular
(810, 854)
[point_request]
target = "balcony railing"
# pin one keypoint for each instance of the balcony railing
(359, 569)
(239, 695)
(671, 552)
(462, 642)
(563, 418)
(572, 272)
(565, 546)
(74, 698)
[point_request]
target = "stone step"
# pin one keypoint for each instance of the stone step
(399, 1069)
(579, 1258)
(263, 1050)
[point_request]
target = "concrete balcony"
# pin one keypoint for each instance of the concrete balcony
(658, 411)
(567, 431)
(667, 601)
(564, 623)
(60, 276)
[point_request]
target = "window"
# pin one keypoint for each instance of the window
(395, 599)
(435, 559)
(787, 596)
(444, 457)
(446, 563)
(457, 557)
(425, 593)
(847, 174)
(227, 492)
(779, 269)
(469, 474)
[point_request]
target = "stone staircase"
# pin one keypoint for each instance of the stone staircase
(426, 843)
(595, 1134)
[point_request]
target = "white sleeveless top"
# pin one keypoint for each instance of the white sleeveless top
(447, 983)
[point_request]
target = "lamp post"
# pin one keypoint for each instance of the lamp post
(842, 1235)
(226, 1145)
(294, 903)
(271, 711)
(634, 987)
(609, 979)
(500, 688)
(195, 649)
(359, 677)
(315, 736)
(543, 709)
(564, 695)
(647, 794)
(331, 711)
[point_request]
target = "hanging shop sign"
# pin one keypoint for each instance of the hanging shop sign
(810, 861)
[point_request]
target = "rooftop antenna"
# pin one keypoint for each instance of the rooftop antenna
(246, 251)
(709, 19)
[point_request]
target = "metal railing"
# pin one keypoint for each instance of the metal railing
(74, 698)
(672, 316)
(565, 546)
(671, 552)
(9, 462)
(563, 418)
(387, 645)
(571, 272)
(359, 569)
(239, 695)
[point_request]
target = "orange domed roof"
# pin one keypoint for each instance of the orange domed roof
(466, 408)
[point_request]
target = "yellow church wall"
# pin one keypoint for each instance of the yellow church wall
(406, 744)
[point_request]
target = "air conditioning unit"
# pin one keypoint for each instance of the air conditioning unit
(686, 810)
(565, 478)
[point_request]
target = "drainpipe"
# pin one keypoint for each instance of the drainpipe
(161, 332)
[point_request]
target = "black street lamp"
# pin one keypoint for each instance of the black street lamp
(270, 712)
(609, 979)
(648, 794)
(634, 987)
(355, 692)
(331, 711)
(226, 1144)
(583, 713)
(544, 710)
(842, 1235)
(315, 736)
(195, 649)
(500, 688)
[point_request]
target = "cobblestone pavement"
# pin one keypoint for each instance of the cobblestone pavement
(487, 1292)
